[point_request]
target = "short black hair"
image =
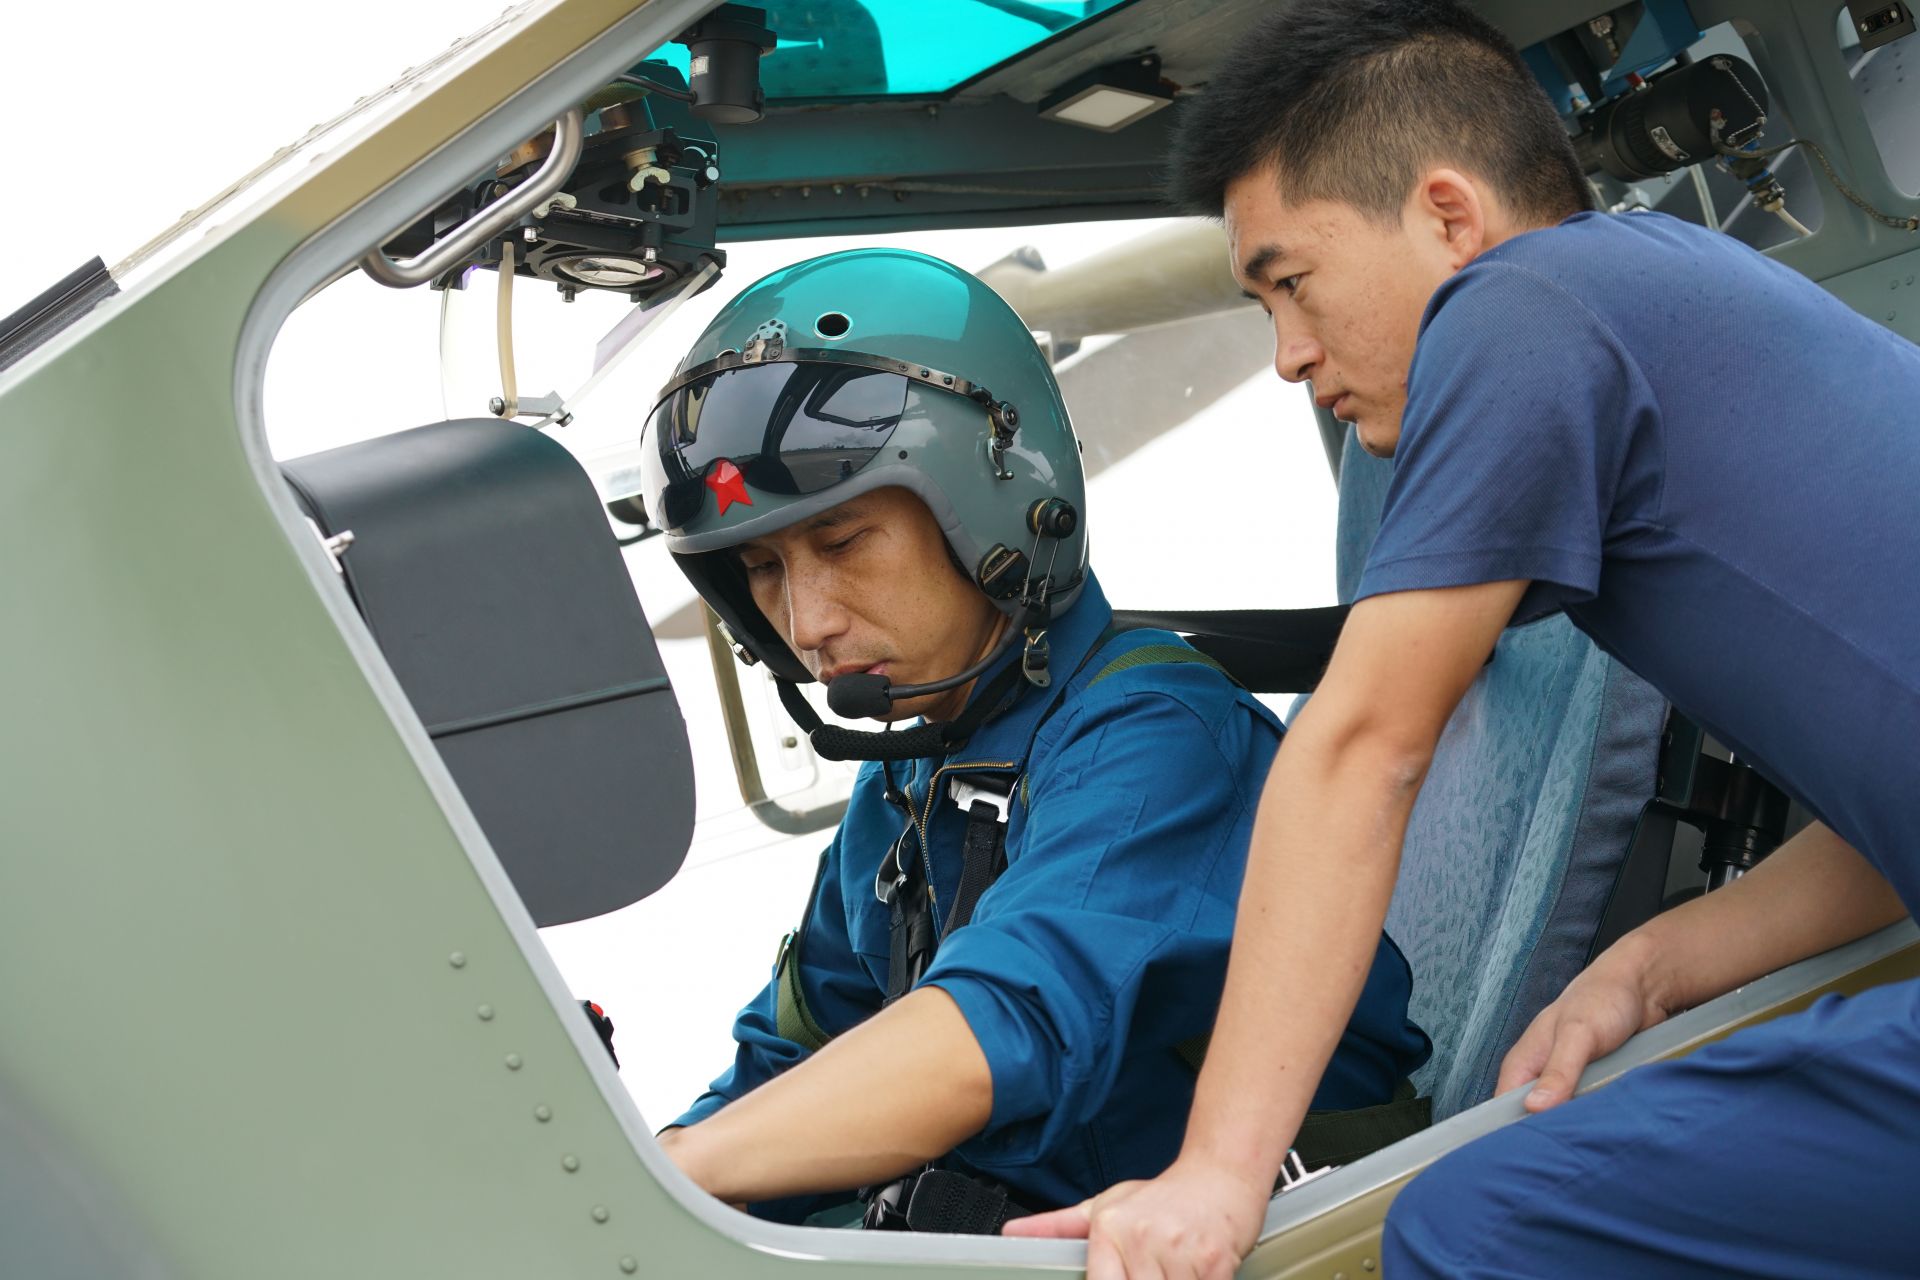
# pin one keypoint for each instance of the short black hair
(1351, 101)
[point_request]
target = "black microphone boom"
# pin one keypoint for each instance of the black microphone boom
(859, 695)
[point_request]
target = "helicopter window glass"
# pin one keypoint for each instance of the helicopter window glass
(885, 48)
(1889, 98)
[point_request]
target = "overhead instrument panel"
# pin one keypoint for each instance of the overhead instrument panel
(619, 195)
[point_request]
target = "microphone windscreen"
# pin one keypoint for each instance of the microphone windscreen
(859, 696)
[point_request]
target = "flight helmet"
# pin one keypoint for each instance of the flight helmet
(849, 373)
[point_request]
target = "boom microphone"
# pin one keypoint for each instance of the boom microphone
(861, 696)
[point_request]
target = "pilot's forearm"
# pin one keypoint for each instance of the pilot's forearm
(1814, 893)
(906, 1086)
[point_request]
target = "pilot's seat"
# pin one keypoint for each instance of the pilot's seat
(1524, 852)
(486, 570)
(1521, 830)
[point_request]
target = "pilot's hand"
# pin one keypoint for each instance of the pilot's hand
(1193, 1221)
(1609, 1002)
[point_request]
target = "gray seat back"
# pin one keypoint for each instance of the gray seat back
(1520, 830)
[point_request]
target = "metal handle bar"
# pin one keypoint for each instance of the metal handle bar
(568, 132)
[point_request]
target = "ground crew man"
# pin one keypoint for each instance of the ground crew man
(1711, 465)
(1018, 936)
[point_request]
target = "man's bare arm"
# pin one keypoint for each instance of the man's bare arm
(1325, 851)
(909, 1084)
(1813, 894)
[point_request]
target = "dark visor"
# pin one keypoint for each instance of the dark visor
(791, 429)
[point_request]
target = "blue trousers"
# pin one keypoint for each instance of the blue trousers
(1790, 1150)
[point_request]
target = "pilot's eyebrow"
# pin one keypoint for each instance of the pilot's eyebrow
(1255, 268)
(845, 513)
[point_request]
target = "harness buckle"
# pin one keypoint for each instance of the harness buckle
(965, 792)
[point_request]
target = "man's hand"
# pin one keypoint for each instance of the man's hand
(1192, 1221)
(1596, 1014)
(1815, 892)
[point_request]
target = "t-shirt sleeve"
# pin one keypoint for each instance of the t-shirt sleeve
(1521, 409)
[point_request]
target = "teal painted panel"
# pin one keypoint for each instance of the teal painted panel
(898, 48)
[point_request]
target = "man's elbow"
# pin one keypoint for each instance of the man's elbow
(1392, 749)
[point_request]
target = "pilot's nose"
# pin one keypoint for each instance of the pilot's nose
(1295, 352)
(815, 613)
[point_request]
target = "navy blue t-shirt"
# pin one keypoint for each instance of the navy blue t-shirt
(1713, 466)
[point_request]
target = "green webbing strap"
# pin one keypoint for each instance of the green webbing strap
(1341, 1137)
(792, 1020)
(1149, 654)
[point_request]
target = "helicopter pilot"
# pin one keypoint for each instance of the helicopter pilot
(1014, 948)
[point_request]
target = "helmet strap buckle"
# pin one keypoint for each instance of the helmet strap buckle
(1003, 420)
(1035, 657)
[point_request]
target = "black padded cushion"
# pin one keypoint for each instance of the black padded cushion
(486, 571)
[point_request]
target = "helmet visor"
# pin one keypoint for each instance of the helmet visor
(789, 428)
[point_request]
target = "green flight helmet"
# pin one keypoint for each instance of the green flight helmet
(848, 373)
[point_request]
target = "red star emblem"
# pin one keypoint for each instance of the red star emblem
(728, 485)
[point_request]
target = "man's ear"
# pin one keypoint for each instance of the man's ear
(1453, 209)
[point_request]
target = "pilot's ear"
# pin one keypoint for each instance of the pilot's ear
(1451, 207)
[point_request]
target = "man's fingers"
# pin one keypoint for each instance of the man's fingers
(1572, 1051)
(1070, 1223)
(1528, 1056)
(1132, 1258)
(1103, 1260)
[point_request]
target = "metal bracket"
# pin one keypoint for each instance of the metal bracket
(964, 793)
(335, 546)
(568, 138)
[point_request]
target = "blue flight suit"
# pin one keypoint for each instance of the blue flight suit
(1712, 466)
(1104, 943)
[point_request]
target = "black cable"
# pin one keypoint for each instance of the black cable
(654, 86)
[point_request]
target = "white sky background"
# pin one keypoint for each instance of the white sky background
(122, 116)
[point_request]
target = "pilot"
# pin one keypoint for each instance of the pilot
(1710, 464)
(1015, 944)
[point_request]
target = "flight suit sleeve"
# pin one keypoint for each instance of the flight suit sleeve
(838, 991)
(1109, 931)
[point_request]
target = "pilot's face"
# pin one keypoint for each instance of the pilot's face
(868, 586)
(1346, 293)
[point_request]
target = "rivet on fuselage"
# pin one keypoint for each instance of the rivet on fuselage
(629, 1264)
(486, 1012)
(458, 959)
(570, 1163)
(543, 1113)
(600, 1213)
(513, 1062)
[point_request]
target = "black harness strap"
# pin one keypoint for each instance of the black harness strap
(984, 853)
(910, 937)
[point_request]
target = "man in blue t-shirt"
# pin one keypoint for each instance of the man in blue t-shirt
(1713, 467)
